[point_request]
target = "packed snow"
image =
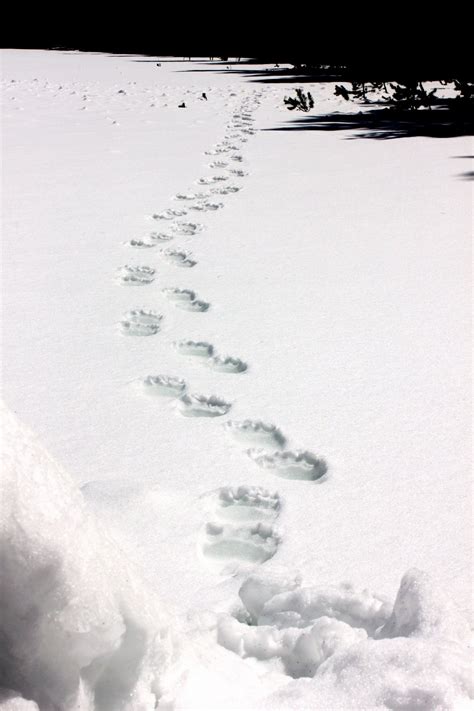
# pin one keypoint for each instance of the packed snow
(247, 486)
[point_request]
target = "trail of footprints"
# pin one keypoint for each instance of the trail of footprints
(240, 527)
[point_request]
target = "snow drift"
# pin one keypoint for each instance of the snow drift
(77, 629)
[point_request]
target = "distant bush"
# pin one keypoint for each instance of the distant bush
(403, 95)
(302, 101)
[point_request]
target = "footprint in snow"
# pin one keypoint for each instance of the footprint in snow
(193, 405)
(179, 258)
(186, 228)
(244, 503)
(169, 214)
(227, 190)
(218, 164)
(291, 464)
(216, 151)
(135, 276)
(227, 364)
(191, 196)
(207, 206)
(185, 299)
(212, 179)
(164, 386)
(239, 173)
(139, 244)
(141, 323)
(198, 349)
(237, 158)
(197, 305)
(256, 432)
(161, 236)
(242, 533)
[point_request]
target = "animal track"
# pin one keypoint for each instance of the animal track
(195, 305)
(245, 503)
(141, 323)
(255, 431)
(164, 385)
(218, 164)
(185, 299)
(200, 349)
(230, 545)
(160, 236)
(237, 158)
(194, 405)
(291, 465)
(135, 276)
(227, 364)
(239, 173)
(186, 228)
(226, 191)
(179, 258)
(139, 244)
(179, 294)
(169, 214)
(212, 179)
(191, 196)
(207, 206)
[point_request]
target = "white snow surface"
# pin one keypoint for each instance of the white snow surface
(168, 568)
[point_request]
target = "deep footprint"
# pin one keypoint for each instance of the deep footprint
(194, 405)
(161, 236)
(199, 349)
(164, 386)
(139, 244)
(141, 323)
(231, 545)
(135, 276)
(179, 258)
(291, 465)
(227, 364)
(186, 228)
(256, 432)
(169, 214)
(196, 305)
(245, 503)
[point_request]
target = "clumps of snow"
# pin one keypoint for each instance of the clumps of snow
(79, 629)
(348, 648)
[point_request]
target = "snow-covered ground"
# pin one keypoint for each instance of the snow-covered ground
(250, 350)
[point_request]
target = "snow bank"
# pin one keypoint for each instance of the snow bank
(78, 628)
(347, 648)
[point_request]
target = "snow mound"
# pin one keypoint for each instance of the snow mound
(348, 648)
(79, 629)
